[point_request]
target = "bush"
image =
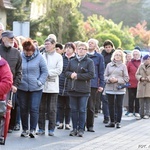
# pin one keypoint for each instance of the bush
(102, 37)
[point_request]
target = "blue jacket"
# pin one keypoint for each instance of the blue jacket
(98, 80)
(34, 72)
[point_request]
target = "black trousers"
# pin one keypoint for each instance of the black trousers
(133, 101)
(91, 108)
(115, 102)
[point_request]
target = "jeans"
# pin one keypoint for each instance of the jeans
(78, 111)
(115, 102)
(29, 105)
(63, 109)
(133, 101)
(48, 105)
(105, 107)
(91, 108)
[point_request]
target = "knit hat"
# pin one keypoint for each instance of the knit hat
(138, 48)
(146, 57)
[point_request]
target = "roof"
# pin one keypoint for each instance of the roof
(6, 4)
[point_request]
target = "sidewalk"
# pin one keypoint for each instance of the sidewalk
(135, 136)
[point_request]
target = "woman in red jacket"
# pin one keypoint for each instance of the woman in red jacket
(132, 67)
(5, 79)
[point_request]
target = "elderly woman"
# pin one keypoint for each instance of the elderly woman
(79, 72)
(132, 67)
(143, 88)
(30, 90)
(116, 74)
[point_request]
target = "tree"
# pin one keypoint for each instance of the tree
(141, 34)
(97, 25)
(21, 13)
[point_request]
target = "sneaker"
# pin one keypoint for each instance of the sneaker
(96, 115)
(17, 127)
(80, 133)
(61, 126)
(73, 132)
(57, 123)
(105, 121)
(10, 130)
(138, 118)
(137, 115)
(40, 132)
(130, 115)
(51, 132)
(146, 117)
(67, 127)
(32, 134)
(127, 113)
(24, 133)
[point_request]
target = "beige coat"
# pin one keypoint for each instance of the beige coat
(143, 88)
(118, 71)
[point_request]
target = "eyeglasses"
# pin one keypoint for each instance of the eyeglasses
(82, 48)
(118, 55)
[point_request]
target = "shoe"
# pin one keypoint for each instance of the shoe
(80, 133)
(130, 115)
(106, 121)
(127, 113)
(90, 129)
(73, 132)
(110, 125)
(138, 118)
(137, 115)
(32, 134)
(57, 123)
(67, 127)
(96, 115)
(61, 126)
(17, 127)
(10, 130)
(51, 132)
(146, 117)
(40, 132)
(24, 133)
(118, 125)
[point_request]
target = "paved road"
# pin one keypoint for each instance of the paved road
(102, 139)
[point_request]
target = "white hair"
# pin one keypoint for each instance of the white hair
(136, 50)
(94, 40)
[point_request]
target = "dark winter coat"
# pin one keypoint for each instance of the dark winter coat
(85, 72)
(13, 57)
(63, 80)
(107, 56)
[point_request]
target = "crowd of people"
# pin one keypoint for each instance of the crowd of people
(71, 83)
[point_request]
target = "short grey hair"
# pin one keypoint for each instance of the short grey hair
(136, 50)
(94, 40)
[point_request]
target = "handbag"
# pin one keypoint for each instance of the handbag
(122, 86)
(2, 108)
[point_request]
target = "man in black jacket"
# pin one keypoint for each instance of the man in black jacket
(107, 53)
(12, 56)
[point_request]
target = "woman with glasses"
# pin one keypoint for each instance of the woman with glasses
(79, 72)
(116, 73)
